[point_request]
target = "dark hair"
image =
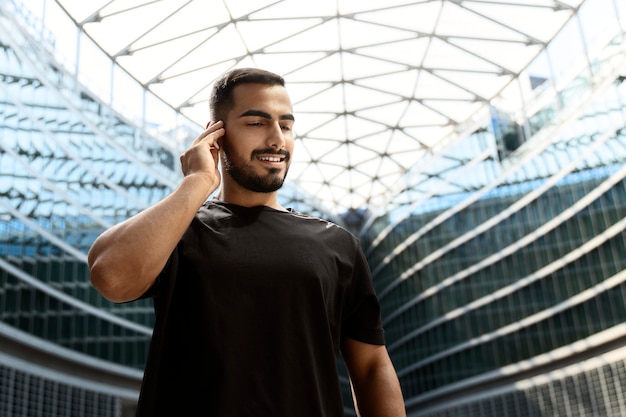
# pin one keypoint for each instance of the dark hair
(221, 100)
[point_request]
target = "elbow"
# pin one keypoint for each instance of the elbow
(103, 281)
(113, 284)
(117, 274)
(97, 275)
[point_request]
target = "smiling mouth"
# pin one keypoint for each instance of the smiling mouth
(270, 158)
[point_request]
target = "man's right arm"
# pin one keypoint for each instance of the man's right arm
(125, 260)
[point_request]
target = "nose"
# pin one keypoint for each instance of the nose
(276, 136)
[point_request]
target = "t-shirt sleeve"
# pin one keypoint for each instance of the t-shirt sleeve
(362, 319)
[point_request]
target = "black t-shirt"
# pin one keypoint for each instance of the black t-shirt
(250, 311)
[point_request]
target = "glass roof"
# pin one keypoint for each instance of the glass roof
(375, 84)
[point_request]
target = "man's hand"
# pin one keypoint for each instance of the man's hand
(202, 157)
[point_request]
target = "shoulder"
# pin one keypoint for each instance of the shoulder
(212, 208)
(315, 221)
(320, 225)
(213, 213)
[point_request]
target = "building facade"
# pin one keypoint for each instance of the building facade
(500, 264)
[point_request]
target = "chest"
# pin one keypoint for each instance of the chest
(265, 259)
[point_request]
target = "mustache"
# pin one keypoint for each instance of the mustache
(271, 151)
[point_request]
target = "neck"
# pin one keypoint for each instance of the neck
(249, 198)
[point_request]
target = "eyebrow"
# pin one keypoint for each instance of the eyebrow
(265, 115)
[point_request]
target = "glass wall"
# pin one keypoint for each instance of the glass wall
(495, 258)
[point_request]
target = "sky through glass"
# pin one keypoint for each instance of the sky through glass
(376, 85)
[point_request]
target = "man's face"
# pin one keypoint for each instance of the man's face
(258, 143)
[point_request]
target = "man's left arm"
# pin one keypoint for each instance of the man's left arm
(374, 380)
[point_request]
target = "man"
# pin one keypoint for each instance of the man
(253, 301)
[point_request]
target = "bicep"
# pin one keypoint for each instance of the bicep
(376, 388)
(363, 359)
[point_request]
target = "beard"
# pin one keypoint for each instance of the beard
(243, 171)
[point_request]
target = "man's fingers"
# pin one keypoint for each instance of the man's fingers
(211, 128)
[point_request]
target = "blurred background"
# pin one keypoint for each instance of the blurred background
(476, 148)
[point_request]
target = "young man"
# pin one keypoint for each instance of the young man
(253, 302)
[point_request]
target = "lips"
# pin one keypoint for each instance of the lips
(271, 158)
(271, 155)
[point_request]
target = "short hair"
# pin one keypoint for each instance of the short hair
(222, 101)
